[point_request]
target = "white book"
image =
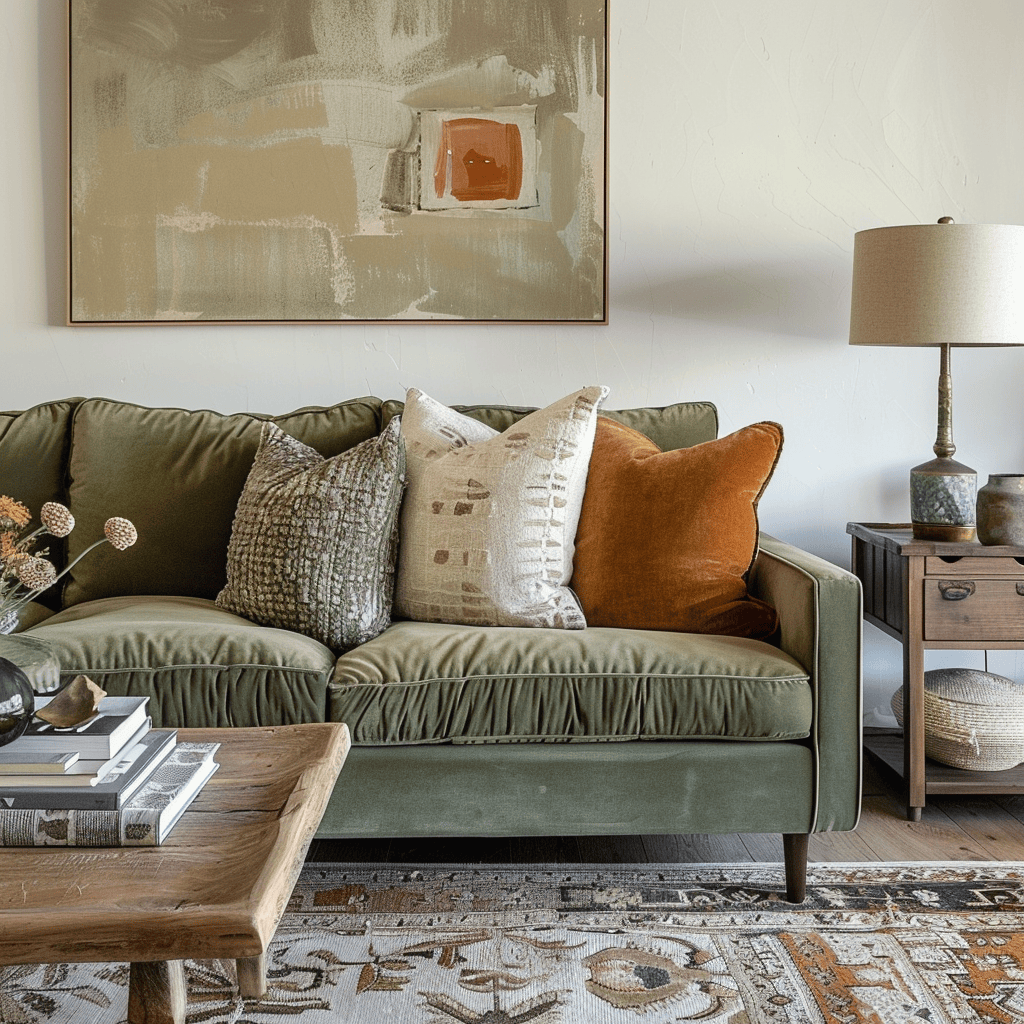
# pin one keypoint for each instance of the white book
(116, 721)
(41, 764)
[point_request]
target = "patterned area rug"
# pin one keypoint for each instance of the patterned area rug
(649, 944)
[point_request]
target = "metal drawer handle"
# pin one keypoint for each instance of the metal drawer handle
(957, 590)
(1020, 589)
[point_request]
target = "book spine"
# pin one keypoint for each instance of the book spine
(66, 827)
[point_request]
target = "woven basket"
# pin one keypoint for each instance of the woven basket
(972, 719)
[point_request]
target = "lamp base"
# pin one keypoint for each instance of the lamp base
(943, 497)
(946, 534)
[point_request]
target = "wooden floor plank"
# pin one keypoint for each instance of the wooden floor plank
(545, 850)
(763, 847)
(892, 837)
(612, 850)
(840, 847)
(702, 849)
(999, 833)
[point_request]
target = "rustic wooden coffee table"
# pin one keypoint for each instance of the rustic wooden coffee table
(216, 889)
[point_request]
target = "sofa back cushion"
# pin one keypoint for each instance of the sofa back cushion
(673, 426)
(177, 475)
(33, 449)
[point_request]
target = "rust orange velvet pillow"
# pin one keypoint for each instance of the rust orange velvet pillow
(665, 539)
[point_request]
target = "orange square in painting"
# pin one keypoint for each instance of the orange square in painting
(478, 160)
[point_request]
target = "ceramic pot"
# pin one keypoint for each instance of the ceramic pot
(1001, 510)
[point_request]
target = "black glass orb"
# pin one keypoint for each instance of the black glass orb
(17, 702)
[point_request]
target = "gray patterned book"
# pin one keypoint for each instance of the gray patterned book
(145, 820)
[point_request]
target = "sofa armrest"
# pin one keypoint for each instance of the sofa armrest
(820, 607)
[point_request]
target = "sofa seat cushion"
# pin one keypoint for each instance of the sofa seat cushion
(422, 682)
(199, 664)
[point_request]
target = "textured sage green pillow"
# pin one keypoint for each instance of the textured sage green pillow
(313, 542)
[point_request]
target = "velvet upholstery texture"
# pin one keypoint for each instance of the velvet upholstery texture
(177, 475)
(33, 452)
(666, 539)
(669, 426)
(425, 682)
(200, 665)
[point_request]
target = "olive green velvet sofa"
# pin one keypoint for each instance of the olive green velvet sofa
(457, 730)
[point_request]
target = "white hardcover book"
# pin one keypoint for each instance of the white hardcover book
(82, 772)
(43, 764)
(102, 736)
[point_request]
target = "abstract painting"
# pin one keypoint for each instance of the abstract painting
(337, 160)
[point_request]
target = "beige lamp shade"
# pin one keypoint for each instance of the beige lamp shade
(938, 284)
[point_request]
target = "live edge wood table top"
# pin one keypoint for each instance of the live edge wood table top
(216, 888)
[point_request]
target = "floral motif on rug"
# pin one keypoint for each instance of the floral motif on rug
(652, 944)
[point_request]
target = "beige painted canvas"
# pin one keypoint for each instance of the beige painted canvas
(362, 160)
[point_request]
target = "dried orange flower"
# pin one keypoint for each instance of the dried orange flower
(8, 548)
(120, 532)
(57, 519)
(13, 513)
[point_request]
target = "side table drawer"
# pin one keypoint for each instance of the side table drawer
(956, 608)
(970, 565)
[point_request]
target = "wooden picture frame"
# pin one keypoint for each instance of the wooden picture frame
(304, 161)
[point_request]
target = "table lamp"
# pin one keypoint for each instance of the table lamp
(943, 285)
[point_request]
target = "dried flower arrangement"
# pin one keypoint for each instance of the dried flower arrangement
(25, 573)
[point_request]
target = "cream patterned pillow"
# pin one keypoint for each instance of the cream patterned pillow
(489, 520)
(313, 541)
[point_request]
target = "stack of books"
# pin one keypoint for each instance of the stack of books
(110, 781)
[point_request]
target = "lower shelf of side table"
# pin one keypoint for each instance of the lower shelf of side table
(942, 778)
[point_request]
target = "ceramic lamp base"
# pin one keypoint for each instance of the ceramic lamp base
(943, 494)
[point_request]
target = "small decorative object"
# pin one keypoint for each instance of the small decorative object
(25, 573)
(1001, 510)
(76, 703)
(972, 719)
(942, 285)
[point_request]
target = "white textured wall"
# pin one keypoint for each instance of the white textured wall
(748, 143)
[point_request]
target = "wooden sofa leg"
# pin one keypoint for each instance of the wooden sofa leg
(794, 849)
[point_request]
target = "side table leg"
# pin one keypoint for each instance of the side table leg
(913, 686)
(252, 976)
(156, 993)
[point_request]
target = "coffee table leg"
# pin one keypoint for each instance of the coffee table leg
(156, 993)
(252, 976)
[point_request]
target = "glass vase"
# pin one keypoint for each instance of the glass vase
(27, 667)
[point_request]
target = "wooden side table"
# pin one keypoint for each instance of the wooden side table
(931, 595)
